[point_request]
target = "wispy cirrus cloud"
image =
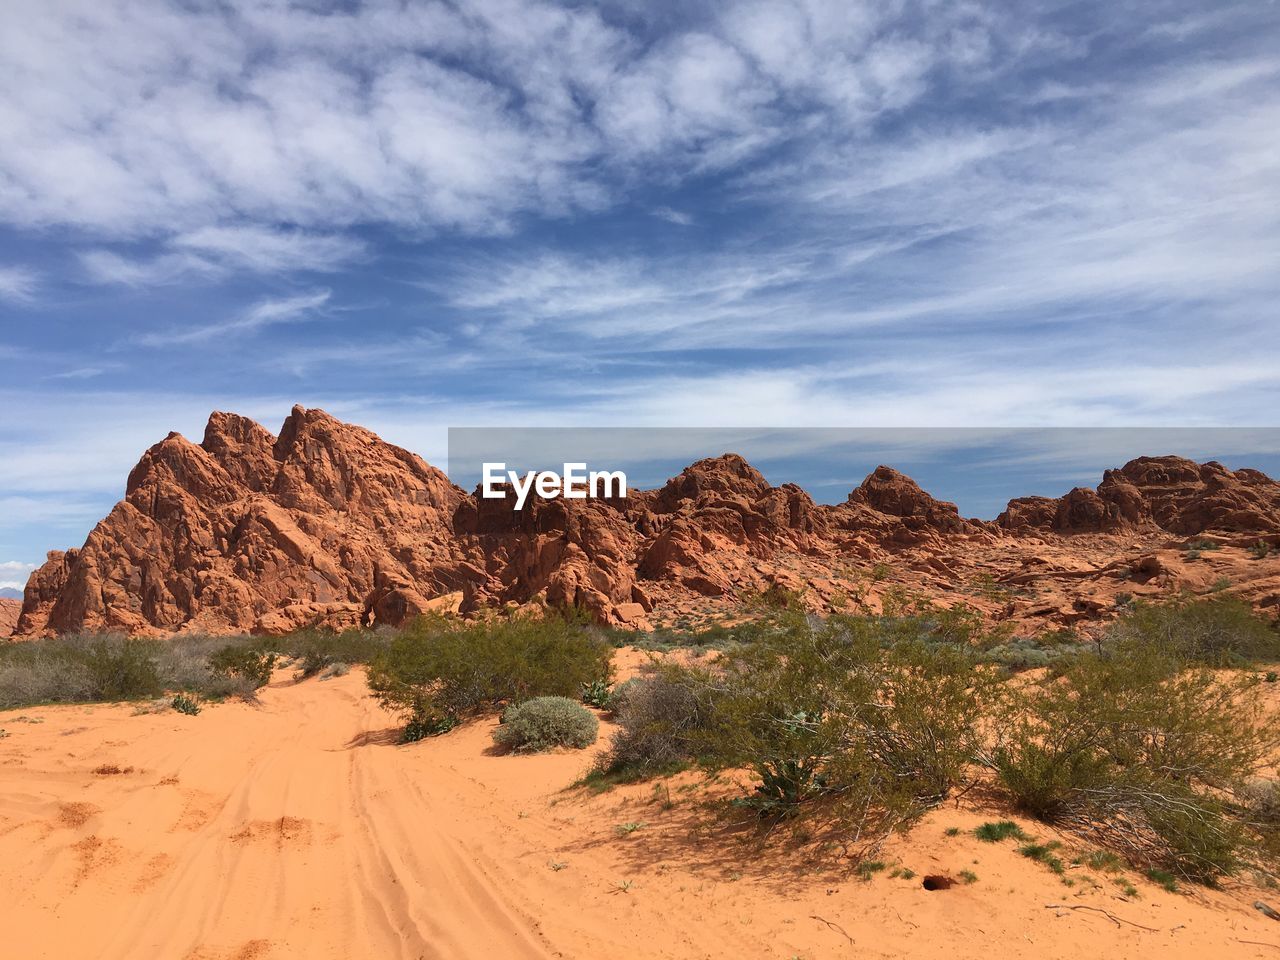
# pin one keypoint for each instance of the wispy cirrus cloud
(296, 309)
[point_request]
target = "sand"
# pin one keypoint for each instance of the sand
(298, 828)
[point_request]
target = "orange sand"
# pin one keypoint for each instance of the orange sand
(296, 828)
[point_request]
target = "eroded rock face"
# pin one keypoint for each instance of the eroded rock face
(326, 524)
(249, 531)
(1173, 494)
(9, 610)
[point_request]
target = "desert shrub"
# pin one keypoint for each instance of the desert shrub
(316, 649)
(1031, 653)
(544, 723)
(824, 715)
(1141, 753)
(1217, 631)
(659, 717)
(1260, 550)
(596, 693)
(185, 703)
(439, 669)
(423, 723)
(619, 693)
(243, 662)
(78, 668)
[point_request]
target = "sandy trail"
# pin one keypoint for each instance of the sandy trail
(296, 828)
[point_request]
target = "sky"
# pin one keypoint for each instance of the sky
(759, 214)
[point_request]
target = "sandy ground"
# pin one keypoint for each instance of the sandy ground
(298, 828)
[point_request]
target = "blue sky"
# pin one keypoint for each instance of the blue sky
(740, 214)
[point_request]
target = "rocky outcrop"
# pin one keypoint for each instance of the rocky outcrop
(326, 524)
(9, 611)
(248, 531)
(1167, 493)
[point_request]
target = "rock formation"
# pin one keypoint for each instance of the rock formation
(9, 611)
(326, 524)
(1168, 493)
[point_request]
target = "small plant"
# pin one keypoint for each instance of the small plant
(868, 868)
(1164, 879)
(1002, 830)
(952, 831)
(968, 876)
(1126, 888)
(243, 663)
(1222, 583)
(626, 829)
(423, 724)
(1043, 853)
(596, 693)
(557, 865)
(1271, 677)
(1203, 545)
(903, 873)
(880, 571)
(1104, 861)
(185, 703)
(1260, 550)
(623, 886)
(1123, 600)
(1192, 554)
(544, 723)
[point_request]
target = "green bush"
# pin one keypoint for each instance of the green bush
(1217, 631)
(242, 662)
(1141, 752)
(826, 716)
(596, 693)
(184, 703)
(442, 670)
(544, 723)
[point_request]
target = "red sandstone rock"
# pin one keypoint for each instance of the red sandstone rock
(9, 610)
(328, 525)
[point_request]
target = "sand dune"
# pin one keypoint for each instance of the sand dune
(297, 828)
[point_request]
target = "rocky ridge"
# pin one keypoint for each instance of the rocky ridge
(327, 524)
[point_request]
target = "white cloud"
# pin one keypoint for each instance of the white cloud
(678, 217)
(17, 283)
(214, 251)
(14, 573)
(265, 313)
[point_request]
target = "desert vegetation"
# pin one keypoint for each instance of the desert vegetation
(1150, 741)
(439, 671)
(1148, 738)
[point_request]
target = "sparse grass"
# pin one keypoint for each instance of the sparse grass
(1126, 888)
(903, 873)
(1163, 878)
(1044, 853)
(1104, 861)
(968, 876)
(998, 831)
(952, 831)
(626, 829)
(868, 868)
